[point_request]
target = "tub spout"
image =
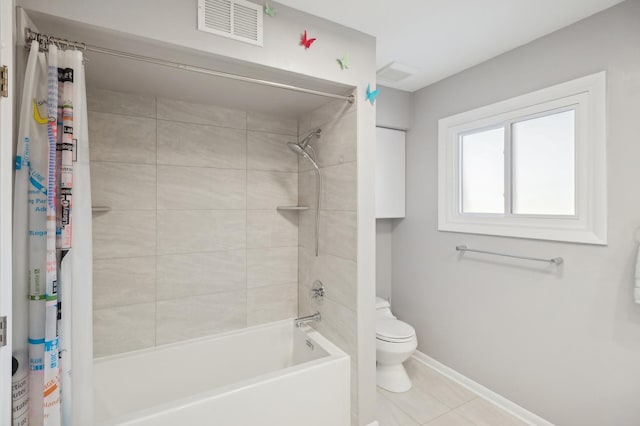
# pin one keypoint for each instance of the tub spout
(309, 318)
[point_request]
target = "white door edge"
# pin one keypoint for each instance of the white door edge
(7, 11)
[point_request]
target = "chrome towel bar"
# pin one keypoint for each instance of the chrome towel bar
(554, 260)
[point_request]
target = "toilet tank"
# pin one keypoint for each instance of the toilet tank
(382, 303)
(383, 308)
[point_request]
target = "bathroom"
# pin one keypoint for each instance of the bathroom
(224, 181)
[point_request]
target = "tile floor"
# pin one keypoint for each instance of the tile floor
(435, 400)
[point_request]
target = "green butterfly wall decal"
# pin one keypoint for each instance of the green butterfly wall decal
(344, 62)
(270, 10)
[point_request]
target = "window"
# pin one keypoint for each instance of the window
(530, 167)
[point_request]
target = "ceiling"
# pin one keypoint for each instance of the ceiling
(440, 38)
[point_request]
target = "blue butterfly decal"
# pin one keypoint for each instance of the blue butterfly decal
(371, 96)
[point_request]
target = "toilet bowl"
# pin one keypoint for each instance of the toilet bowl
(395, 342)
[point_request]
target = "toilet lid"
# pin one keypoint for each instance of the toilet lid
(393, 329)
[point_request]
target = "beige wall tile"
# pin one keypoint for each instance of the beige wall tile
(121, 103)
(212, 115)
(120, 282)
(339, 189)
(338, 233)
(353, 372)
(337, 236)
(338, 143)
(198, 316)
(184, 275)
(307, 229)
(272, 303)
(272, 228)
(123, 186)
(268, 190)
(338, 275)
(122, 138)
(328, 113)
(272, 123)
(307, 189)
(269, 266)
(183, 144)
(123, 329)
(186, 188)
(268, 151)
(124, 233)
(193, 231)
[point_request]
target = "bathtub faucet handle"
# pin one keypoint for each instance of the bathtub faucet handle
(317, 291)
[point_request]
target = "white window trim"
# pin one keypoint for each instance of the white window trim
(589, 225)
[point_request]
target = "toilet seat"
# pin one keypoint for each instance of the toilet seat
(394, 331)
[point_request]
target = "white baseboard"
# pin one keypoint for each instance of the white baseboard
(502, 402)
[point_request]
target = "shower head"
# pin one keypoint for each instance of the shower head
(300, 148)
(301, 152)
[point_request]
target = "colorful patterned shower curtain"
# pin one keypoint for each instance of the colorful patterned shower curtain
(43, 217)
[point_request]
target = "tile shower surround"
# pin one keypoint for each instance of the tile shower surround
(193, 244)
(336, 263)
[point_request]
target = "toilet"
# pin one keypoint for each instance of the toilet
(395, 342)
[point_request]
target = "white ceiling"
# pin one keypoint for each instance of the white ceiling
(443, 37)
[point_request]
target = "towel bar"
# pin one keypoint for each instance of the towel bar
(554, 260)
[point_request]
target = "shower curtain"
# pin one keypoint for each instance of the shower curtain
(51, 132)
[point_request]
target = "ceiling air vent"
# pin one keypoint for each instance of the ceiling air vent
(394, 72)
(235, 19)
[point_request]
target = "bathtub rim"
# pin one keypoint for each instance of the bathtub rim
(329, 346)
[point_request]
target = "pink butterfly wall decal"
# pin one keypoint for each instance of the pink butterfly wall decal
(306, 42)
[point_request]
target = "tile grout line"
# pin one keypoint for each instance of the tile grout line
(246, 220)
(300, 284)
(451, 410)
(155, 322)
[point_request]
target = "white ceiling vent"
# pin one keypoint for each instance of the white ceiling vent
(236, 19)
(395, 72)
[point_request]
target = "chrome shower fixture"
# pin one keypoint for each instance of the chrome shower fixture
(304, 150)
(304, 142)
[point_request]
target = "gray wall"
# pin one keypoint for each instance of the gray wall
(193, 226)
(393, 110)
(383, 257)
(564, 345)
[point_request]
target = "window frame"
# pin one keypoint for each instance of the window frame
(585, 95)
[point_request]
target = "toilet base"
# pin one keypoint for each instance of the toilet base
(393, 378)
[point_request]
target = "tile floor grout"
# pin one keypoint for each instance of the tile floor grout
(435, 400)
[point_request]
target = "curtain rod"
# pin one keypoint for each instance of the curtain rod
(45, 40)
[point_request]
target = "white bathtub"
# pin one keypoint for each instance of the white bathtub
(267, 375)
